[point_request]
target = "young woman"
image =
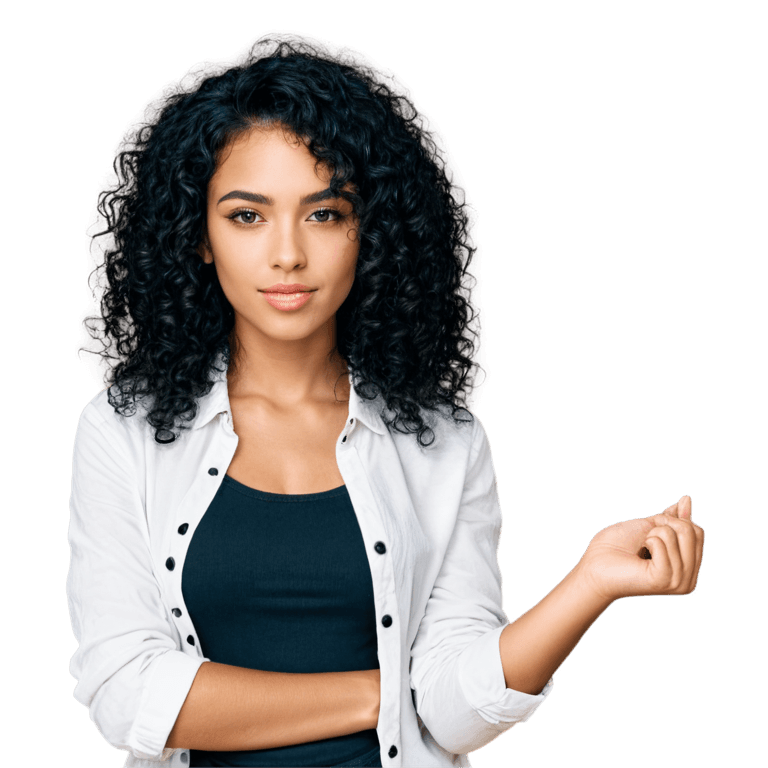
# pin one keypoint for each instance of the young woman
(284, 519)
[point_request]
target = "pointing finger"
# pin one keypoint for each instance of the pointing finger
(668, 535)
(659, 564)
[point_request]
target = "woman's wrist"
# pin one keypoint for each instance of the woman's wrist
(585, 586)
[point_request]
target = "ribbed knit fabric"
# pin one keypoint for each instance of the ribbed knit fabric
(281, 582)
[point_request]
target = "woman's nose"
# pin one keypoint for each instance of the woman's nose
(287, 248)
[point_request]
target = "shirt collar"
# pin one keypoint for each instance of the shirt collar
(217, 401)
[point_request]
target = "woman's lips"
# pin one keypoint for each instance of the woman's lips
(287, 300)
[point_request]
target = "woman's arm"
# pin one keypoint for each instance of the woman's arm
(466, 651)
(535, 645)
(236, 708)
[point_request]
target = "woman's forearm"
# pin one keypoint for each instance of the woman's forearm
(235, 708)
(535, 645)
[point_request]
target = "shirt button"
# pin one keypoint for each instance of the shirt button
(352, 420)
(170, 563)
(379, 547)
(344, 439)
(184, 757)
(392, 751)
(213, 471)
(190, 639)
(183, 528)
(176, 612)
(386, 620)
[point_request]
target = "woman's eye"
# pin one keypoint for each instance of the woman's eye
(325, 215)
(244, 217)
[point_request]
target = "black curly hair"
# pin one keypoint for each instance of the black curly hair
(403, 330)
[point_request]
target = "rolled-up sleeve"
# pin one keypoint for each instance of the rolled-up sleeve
(456, 671)
(129, 670)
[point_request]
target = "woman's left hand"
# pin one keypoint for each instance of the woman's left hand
(617, 564)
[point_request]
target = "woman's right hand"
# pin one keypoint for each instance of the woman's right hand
(617, 563)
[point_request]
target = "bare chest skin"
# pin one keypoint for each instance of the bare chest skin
(286, 451)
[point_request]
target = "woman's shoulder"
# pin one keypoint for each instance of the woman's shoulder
(451, 433)
(463, 429)
(102, 415)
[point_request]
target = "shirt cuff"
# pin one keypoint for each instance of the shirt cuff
(481, 676)
(162, 700)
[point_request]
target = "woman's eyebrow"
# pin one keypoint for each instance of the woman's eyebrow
(255, 197)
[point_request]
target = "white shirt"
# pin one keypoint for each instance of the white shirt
(437, 585)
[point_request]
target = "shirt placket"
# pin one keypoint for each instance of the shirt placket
(188, 516)
(388, 627)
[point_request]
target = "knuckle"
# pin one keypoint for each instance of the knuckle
(669, 535)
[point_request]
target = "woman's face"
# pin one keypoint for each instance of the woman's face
(268, 222)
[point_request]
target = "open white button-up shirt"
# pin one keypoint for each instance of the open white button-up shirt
(135, 505)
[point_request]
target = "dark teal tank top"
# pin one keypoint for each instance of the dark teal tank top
(281, 582)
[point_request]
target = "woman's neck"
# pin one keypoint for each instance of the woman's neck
(291, 382)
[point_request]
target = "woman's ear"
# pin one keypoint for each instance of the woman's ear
(204, 249)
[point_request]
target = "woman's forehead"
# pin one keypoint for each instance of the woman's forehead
(265, 153)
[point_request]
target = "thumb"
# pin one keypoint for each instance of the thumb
(684, 511)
